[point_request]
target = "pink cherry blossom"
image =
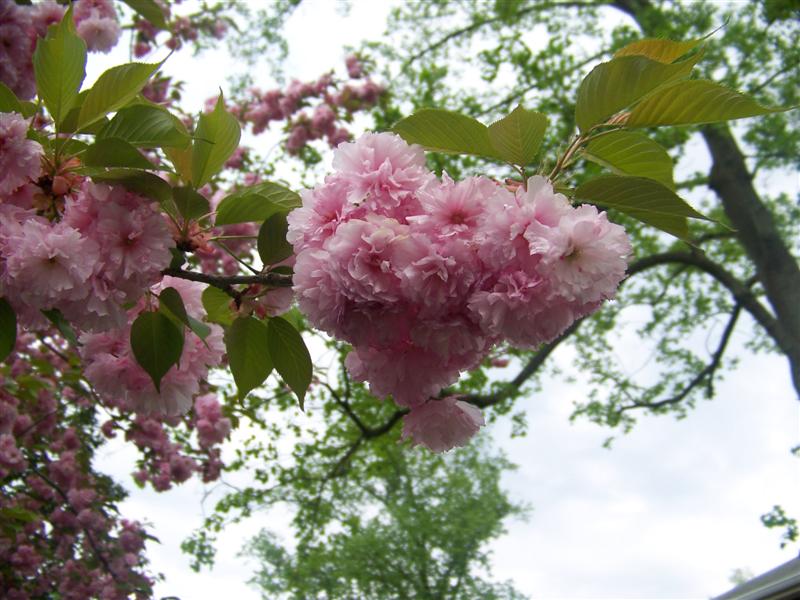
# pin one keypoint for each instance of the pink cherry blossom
(441, 425)
(20, 158)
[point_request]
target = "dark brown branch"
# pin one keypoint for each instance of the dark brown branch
(706, 374)
(226, 283)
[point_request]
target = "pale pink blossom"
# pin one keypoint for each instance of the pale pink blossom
(441, 425)
(96, 22)
(20, 158)
(17, 42)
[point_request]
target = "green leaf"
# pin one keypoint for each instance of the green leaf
(181, 159)
(67, 147)
(290, 355)
(218, 306)
(216, 137)
(114, 89)
(8, 100)
(446, 131)
(191, 204)
(114, 152)
(248, 353)
(140, 182)
(631, 153)
(145, 125)
(518, 136)
(64, 328)
(614, 85)
(157, 344)
(695, 102)
(8, 329)
(256, 203)
(643, 199)
(660, 50)
(171, 303)
(150, 10)
(59, 64)
(272, 244)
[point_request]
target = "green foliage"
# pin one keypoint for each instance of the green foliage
(190, 203)
(433, 516)
(272, 244)
(157, 344)
(149, 10)
(290, 356)
(216, 137)
(217, 305)
(114, 89)
(518, 136)
(447, 131)
(8, 329)
(59, 64)
(256, 203)
(777, 518)
(614, 85)
(247, 345)
(171, 304)
(146, 125)
(8, 100)
(141, 182)
(695, 102)
(631, 153)
(660, 50)
(114, 152)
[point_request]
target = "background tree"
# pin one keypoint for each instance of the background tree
(416, 527)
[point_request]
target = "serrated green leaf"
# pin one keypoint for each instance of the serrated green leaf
(218, 306)
(64, 328)
(643, 199)
(272, 244)
(150, 10)
(67, 147)
(631, 153)
(190, 203)
(694, 103)
(216, 137)
(8, 100)
(59, 64)
(181, 159)
(614, 85)
(290, 356)
(518, 136)
(661, 50)
(114, 152)
(148, 126)
(447, 131)
(8, 329)
(248, 353)
(256, 203)
(142, 182)
(157, 344)
(114, 89)
(171, 303)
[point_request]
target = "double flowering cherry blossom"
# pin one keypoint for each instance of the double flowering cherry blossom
(423, 276)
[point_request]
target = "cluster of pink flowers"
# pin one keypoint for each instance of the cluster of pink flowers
(315, 110)
(116, 375)
(96, 22)
(108, 247)
(181, 29)
(423, 276)
(61, 535)
(21, 26)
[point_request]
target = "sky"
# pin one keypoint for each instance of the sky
(668, 512)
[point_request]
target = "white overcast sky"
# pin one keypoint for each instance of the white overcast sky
(669, 512)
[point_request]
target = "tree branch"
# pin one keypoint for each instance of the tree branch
(475, 25)
(226, 283)
(706, 374)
